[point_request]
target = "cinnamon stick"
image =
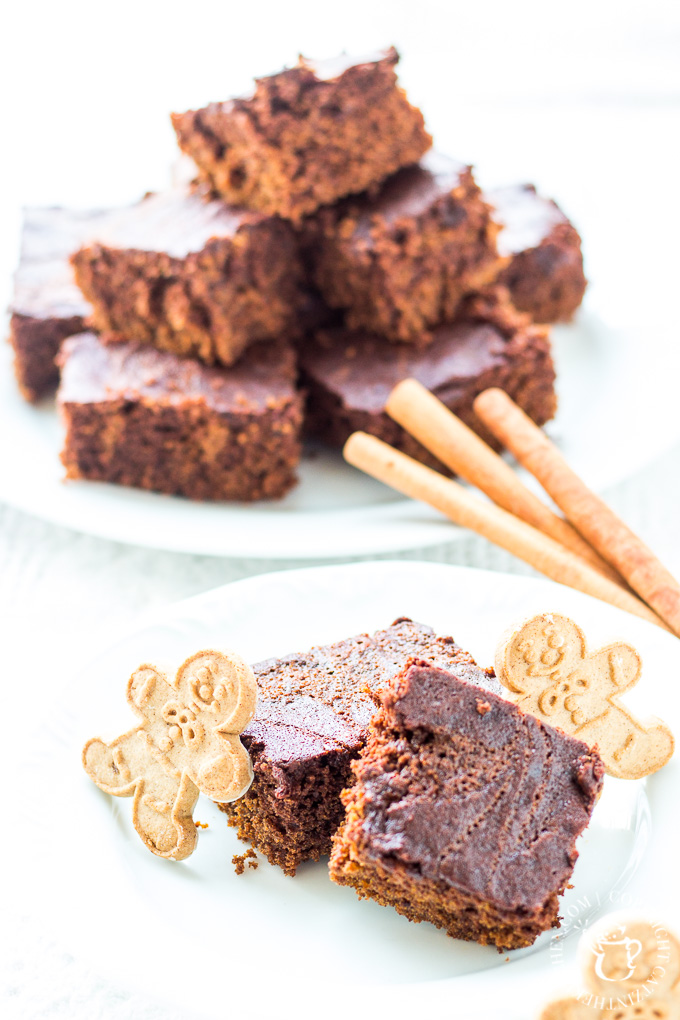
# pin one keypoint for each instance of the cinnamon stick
(413, 479)
(419, 411)
(598, 524)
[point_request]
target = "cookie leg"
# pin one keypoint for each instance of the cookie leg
(162, 812)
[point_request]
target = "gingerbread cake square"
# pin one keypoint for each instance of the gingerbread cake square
(401, 261)
(349, 375)
(193, 277)
(306, 136)
(545, 273)
(312, 718)
(148, 419)
(46, 304)
(464, 811)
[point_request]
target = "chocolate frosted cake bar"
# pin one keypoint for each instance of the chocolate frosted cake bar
(192, 277)
(401, 261)
(464, 811)
(140, 417)
(350, 375)
(545, 274)
(312, 719)
(306, 136)
(46, 304)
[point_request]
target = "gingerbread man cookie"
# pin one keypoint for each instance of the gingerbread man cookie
(549, 672)
(188, 742)
(631, 971)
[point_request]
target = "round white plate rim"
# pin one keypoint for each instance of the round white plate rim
(427, 574)
(163, 522)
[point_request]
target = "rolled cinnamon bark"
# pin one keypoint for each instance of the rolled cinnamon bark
(441, 432)
(598, 524)
(413, 479)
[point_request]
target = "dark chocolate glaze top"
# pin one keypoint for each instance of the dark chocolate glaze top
(526, 218)
(461, 787)
(323, 699)
(94, 372)
(362, 370)
(306, 74)
(43, 283)
(177, 222)
(410, 193)
(334, 68)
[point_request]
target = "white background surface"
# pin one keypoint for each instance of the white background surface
(584, 100)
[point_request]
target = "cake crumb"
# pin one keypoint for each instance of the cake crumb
(201, 825)
(483, 706)
(239, 861)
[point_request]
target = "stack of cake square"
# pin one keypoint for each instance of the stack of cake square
(323, 250)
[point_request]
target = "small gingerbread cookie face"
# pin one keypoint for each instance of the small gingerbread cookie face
(547, 668)
(188, 741)
(631, 971)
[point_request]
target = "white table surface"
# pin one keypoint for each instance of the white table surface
(607, 98)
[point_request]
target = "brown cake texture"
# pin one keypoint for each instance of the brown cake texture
(401, 261)
(350, 375)
(307, 136)
(193, 277)
(140, 417)
(464, 811)
(545, 273)
(46, 304)
(312, 718)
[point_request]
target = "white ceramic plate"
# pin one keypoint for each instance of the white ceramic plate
(603, 373)
(198, 936)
